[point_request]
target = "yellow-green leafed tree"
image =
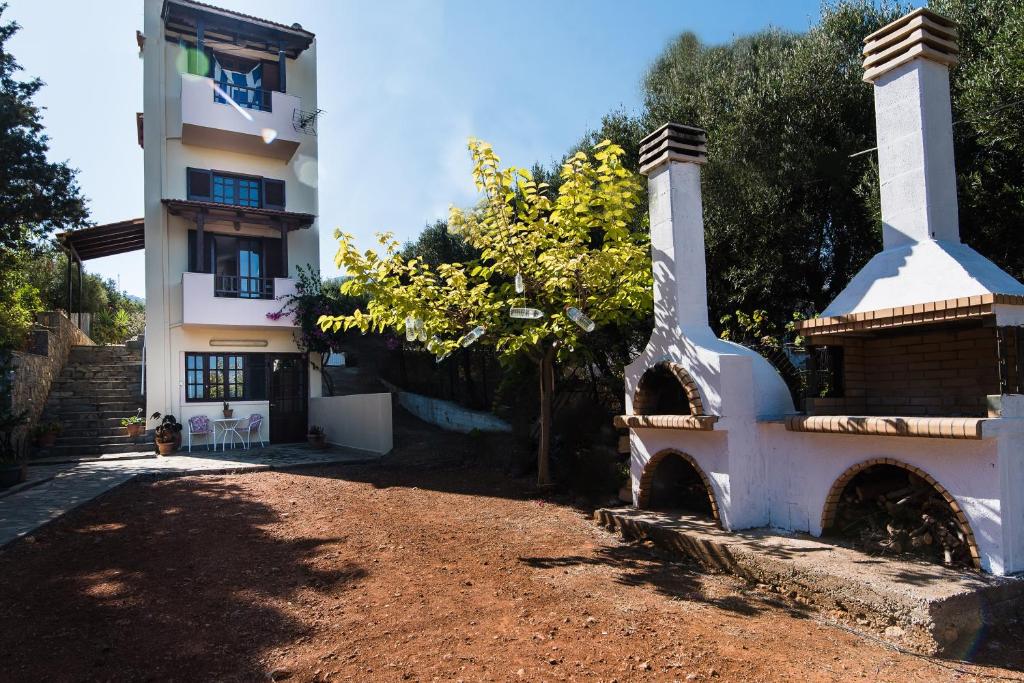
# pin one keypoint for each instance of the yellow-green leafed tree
(561, 254)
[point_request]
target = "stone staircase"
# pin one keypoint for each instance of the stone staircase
(98, 386)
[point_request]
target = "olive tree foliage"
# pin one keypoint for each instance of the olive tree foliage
(988, 110)
(572, 248)
(791, 185)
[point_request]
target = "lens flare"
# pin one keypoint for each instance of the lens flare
(192, 61)
(227, 98)
(268, 135)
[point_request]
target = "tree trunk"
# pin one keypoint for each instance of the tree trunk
(547, 390)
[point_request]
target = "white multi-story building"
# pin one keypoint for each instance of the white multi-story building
(229, 136)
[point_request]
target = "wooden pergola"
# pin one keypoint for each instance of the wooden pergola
(205, 213)
(97, 242)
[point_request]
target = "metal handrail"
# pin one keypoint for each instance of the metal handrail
(243, 287)
(142, 387)
(244, 96)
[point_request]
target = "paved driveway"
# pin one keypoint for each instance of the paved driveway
(54, 489)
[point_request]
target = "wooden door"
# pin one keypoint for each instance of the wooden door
(288, 397)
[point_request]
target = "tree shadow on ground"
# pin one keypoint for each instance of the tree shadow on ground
(174, 579)
(645, 565)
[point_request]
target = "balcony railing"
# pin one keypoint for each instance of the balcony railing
(243, 287)
(244, 96)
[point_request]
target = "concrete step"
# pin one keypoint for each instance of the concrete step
(84, 405)
(107, 396)
(73, 451)
(91, 432)
(935, 609)
(105, 383)
(109, 439)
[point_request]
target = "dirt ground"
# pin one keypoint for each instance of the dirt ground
(429, 566)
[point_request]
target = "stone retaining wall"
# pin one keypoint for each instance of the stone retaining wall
(34, 372)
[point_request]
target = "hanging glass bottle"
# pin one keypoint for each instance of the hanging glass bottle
(577, 316)
(525, 313)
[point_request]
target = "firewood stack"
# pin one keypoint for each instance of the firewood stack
(902, 515)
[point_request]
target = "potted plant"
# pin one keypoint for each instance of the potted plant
(134, 425)
(45, 434)
(316, 436)
(228, 410)
(167, 434)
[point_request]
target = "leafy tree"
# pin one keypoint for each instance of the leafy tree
(313, 299)
(572, 248)
(36, 196)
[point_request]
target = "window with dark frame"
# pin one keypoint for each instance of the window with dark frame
(224, 376)
(235, 189)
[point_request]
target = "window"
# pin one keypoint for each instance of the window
(224, 377)
(235, 189)
(245, 266)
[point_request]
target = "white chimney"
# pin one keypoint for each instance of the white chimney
(671, 158)
(908, 62)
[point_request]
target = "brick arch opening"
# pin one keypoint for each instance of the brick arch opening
(839, 496)
(673, 480)
(666, 388)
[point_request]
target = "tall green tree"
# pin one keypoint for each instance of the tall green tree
(437, 244)
(37, 196)
(572, 249)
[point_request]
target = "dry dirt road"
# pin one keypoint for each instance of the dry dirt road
(408, 570)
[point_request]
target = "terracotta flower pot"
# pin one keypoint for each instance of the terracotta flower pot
(317, 440)
(135, 430)
(177, 440)
(228, 413)
(166, 448)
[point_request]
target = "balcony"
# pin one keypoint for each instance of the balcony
(230, 301)
(245, 120)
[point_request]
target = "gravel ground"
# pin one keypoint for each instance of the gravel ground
(430, 566)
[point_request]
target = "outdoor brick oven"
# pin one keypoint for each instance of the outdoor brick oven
(924, 393)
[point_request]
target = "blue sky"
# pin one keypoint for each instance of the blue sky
(404, 84)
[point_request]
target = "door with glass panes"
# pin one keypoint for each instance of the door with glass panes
(286, 390)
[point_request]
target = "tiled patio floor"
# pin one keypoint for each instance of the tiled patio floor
(54, 489)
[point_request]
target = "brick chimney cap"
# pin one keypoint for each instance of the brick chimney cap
(673, 142)
(921, 34)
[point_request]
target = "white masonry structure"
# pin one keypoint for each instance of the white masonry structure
(926, 341)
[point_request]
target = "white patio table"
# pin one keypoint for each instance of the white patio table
(227, 425)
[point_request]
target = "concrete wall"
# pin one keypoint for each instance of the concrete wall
(450, 416)
(165, 161)
(361, 421)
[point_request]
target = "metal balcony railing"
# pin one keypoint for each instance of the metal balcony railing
(243, 287)
(244, 96)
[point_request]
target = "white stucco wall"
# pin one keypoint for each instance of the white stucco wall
(166, 255)
(797, 471)
(360, 421)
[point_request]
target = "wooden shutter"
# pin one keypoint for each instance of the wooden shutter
(199, 184)
(273, 194)
(271, 75)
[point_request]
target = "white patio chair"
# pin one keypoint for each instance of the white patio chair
(255, 423)
(200, 426)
